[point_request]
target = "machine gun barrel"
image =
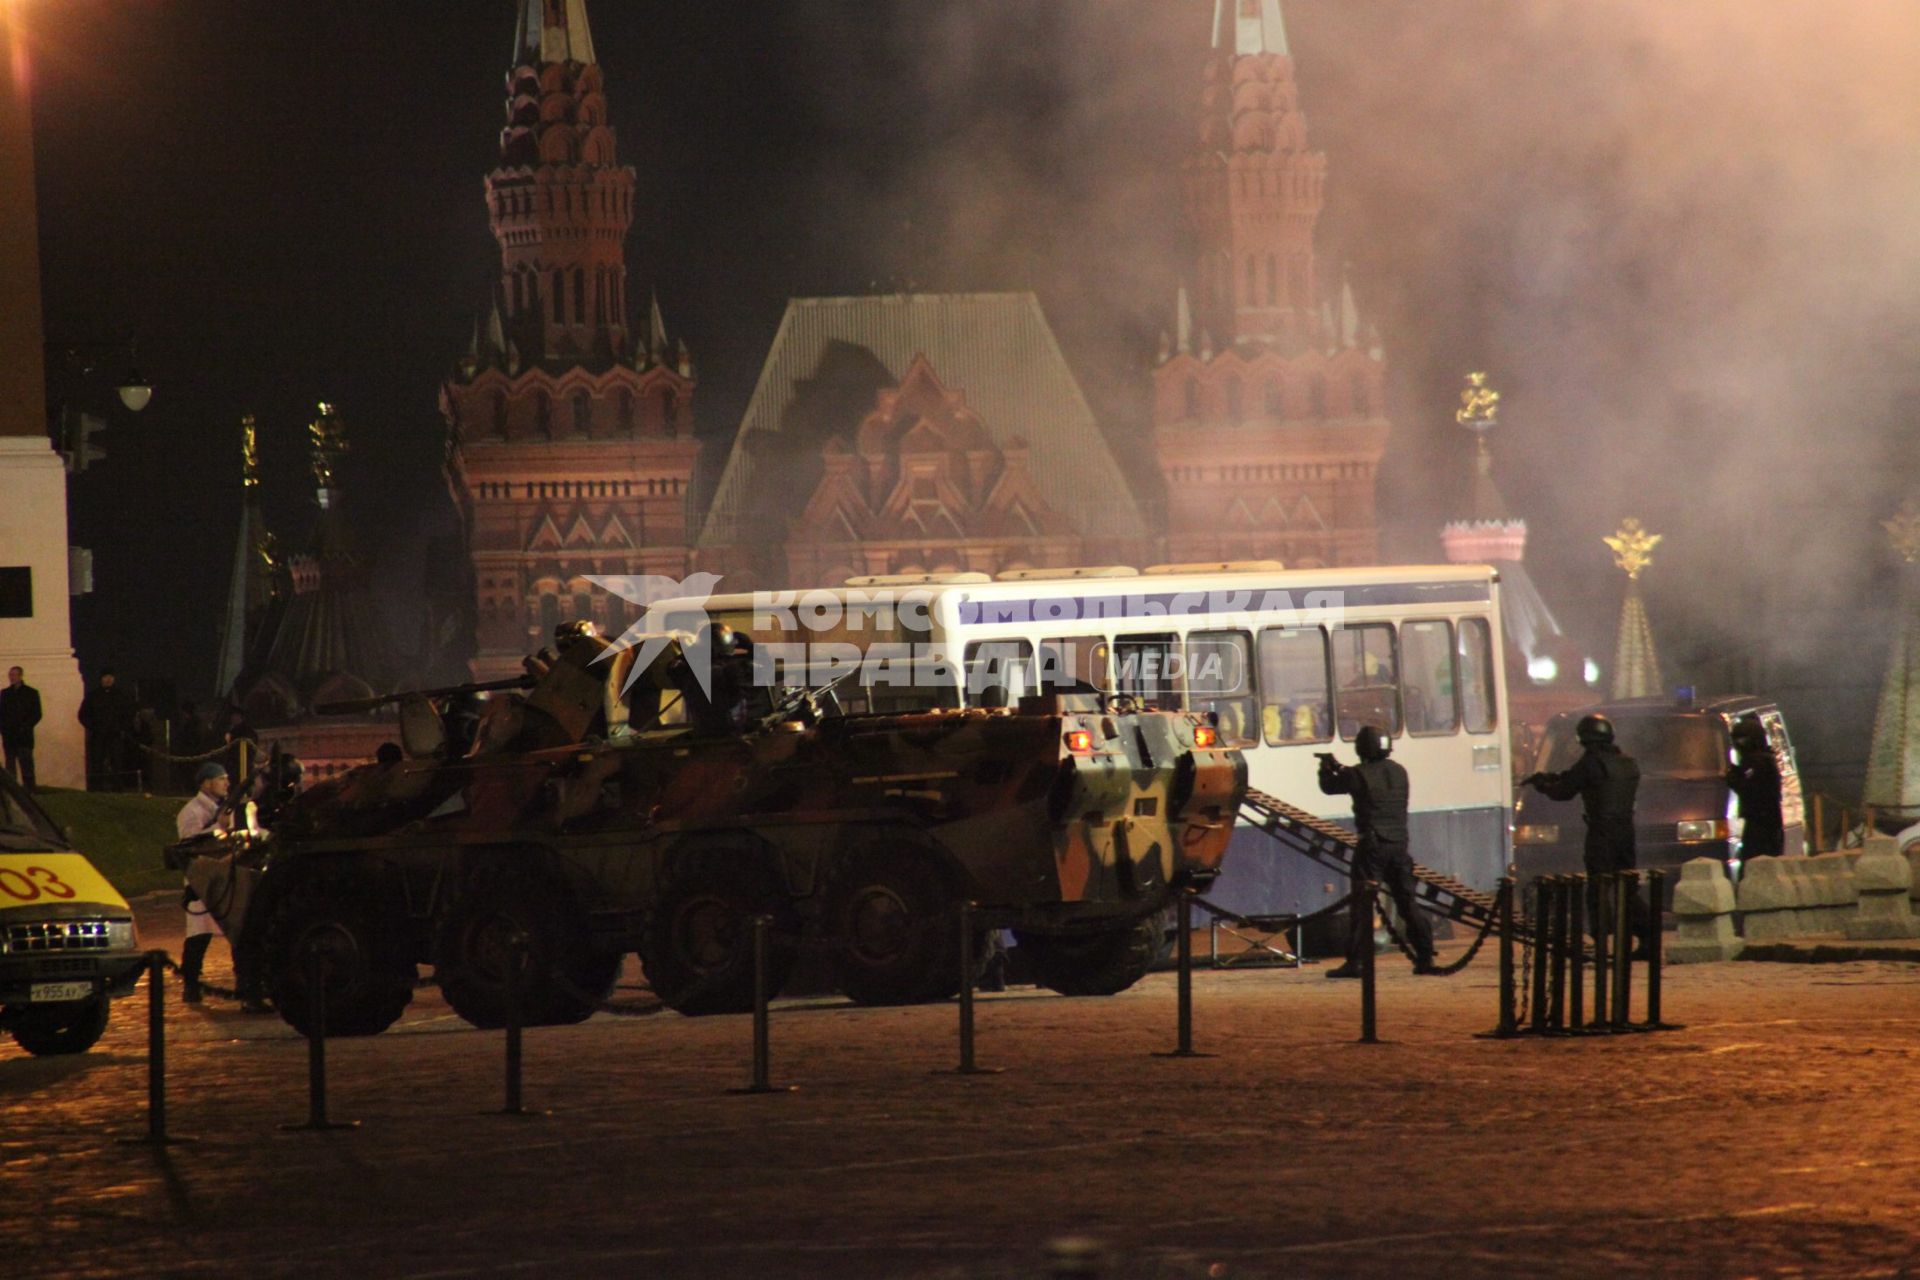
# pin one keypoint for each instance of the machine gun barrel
(356, 706)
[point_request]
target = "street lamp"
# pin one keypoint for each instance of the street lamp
(135, 391)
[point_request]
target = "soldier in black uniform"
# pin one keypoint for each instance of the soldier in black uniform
(1755, 778)
(1379, 789)
(1607, 780)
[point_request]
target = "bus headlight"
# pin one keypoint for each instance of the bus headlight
(1700, 830)
(1544, 833)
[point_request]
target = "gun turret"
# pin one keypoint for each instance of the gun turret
(360, 706)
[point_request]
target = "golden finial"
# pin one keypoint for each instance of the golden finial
(328, 436)
(1903, 531)
(1631, 546)
(249, 454)
(1479, 404)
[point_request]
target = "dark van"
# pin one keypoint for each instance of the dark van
(1685, 809)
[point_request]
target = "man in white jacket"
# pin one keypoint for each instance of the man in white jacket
(199, 815)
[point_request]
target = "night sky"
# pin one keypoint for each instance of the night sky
(1683, 243)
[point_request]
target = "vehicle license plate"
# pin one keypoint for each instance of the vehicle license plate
(50, 991)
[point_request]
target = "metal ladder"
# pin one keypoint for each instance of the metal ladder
(1333, 847)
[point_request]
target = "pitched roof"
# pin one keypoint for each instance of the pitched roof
(832, 355)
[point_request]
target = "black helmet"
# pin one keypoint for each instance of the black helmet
(1748, 733)
(1371, 744)
(1594, 731)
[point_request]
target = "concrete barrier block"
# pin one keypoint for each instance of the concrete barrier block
(1704, 901)
(1882, 880)
(1806, 896)
(1769, 902)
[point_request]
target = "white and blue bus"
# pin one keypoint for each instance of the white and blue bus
(1290, 663)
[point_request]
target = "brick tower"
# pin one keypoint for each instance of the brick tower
(572, 442)
(1268, 396)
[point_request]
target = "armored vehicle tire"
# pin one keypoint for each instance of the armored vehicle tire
(474, 950)
(698, 947)
(65, 1028)
(893, 916)
(352, 916)
(1095, 964)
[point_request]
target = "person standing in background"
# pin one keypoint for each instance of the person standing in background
(19, 712)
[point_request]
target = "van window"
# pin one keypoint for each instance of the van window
(1148, 668)
(1067, 662)
(1476, 675)
(1366, 672)
(1295, 706)
(999, 672)
(1665, 746)
(1220, 680)
(1428, 689)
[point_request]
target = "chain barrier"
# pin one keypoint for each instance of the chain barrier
(1439, 971)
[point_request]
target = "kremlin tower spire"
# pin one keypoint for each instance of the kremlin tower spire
(1270, 427)
(573, 447)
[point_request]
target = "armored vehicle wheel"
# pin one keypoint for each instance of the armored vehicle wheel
(353, 917)
(698, 948)
(1095, 964)
(894, 918)
(62, 1028)
(474, 952)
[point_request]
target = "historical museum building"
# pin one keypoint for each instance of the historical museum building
(906, 433)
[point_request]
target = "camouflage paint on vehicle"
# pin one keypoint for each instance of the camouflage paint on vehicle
(1062, 816)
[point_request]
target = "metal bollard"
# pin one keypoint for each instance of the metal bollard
(1577, 940)
(517, 964)
(156, 1134)
(1557, 944)
(317, 1120)
(1655, 945)
(1183, 948)
(1625, 884)
(1505, 1028)
(967, 1067)
(1537, 1015)
(1599, 897)
(1364, 909)
(760, 1053)
(1504, 907)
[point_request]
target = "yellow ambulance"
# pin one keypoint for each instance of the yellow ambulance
(67, 942)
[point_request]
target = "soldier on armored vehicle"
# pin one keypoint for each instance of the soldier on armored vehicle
(585, 824)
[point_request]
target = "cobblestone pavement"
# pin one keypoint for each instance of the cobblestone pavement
(1774, 1135)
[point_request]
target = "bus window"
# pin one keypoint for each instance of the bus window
(1476, 675)
(999, 672)
(1429, 683)
(1293, 686)
(1148, 669)
(1220, 680)
(1069, 663)
(1367, 675)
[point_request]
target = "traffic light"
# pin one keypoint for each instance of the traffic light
(79, 430)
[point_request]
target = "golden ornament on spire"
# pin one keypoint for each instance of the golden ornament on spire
(1631, 545)
(328, 435)
(249, 454)
(1903, 531)
(1479, 404)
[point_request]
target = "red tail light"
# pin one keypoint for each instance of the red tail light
(1205, 735)
(1079, 740)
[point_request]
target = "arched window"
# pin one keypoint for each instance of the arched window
(543, 413)
(1253, 270)
(1273, 280)
(559, 297)
(1362, 401)
(519, 292)
(583, 606)
(500, 413)
(1193, 397)
(1317, 397)
(626, 409)
(1233, 398)
(582, 413)
(549, 614)
(666, 411)
(1276, 400)
(579, 295)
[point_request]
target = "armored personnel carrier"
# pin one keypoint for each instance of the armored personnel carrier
(524, 850)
